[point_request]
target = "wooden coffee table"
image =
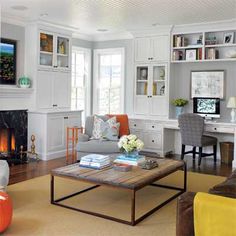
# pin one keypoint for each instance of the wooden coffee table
(131, 181)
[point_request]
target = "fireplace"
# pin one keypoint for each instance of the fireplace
(13, 134)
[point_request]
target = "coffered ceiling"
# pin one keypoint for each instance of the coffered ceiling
(88, 16)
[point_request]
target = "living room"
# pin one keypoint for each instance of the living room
(81, 78)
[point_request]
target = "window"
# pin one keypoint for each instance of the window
(81, 85)
(109, 81)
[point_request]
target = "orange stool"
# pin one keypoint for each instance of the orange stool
(72, 134)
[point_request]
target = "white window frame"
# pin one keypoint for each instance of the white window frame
(96, 54)
(88, 92)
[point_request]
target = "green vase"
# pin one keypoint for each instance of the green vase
(24, 82)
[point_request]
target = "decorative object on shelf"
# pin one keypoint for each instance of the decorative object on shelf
(231, 54)
(162, 74)
(24, 82)
(191, 54)
(162, 90)
(179, 104)
(7, 61)
(199, 41)
(154, 89)
(62, 47)
(5, 211)
(211, 40)
(212, 54)
(46, 42)
(143, 74)
(207, 84)
(228, 38)
(130, 145)
(232, 104)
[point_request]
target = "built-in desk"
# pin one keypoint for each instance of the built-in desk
(158, 135)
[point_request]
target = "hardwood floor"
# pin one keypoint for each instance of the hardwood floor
(31, 170)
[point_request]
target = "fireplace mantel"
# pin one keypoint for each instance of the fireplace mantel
(15, 92)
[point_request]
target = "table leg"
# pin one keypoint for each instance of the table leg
(52, 188)
(67, 144)
(133, 207)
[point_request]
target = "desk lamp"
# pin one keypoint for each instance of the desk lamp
(232, 104)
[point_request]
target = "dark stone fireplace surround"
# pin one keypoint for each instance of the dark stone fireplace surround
(17, 120)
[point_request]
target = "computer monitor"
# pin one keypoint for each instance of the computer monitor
(207, 107)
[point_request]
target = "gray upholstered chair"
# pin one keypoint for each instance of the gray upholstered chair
(191, 129)
(86, 145)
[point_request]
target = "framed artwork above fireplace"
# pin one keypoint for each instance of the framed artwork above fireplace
(7, 62)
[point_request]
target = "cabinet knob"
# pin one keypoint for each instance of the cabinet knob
(54, 105)
(135, 125)
(215, 128)
(153, 126)
(153, 141)
(66, 118)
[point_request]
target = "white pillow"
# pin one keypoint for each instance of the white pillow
(99, 124)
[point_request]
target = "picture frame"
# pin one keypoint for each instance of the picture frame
(7, 61)
(228, 38)
(190, 54)
(207, 84)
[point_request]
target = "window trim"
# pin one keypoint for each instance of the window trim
(96, 54)
(88, 102)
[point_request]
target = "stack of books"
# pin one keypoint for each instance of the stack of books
(95, 161)
(129, 160)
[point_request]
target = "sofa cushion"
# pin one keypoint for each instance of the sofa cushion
(124, 123)
(98, 146)
(226, 189)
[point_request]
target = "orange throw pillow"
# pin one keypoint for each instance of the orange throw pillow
(124, 123)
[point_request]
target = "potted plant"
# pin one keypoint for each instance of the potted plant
(179, 103)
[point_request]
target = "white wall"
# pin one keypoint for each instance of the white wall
(17, 33)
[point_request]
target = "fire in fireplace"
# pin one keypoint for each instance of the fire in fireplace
(7, 141)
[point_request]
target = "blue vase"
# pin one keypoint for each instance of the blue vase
(178, 111)
(131, 154)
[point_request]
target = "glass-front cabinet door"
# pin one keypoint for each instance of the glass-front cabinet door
(159, 80)
(142, 80)
(63, 51)
(46, 49)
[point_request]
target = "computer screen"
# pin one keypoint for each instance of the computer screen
(207, 107)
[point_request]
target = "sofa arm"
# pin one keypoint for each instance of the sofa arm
(83, 138)
(184, 221)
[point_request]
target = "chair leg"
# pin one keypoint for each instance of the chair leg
(200, 156)
(194, 153)
(215, 152)
(182, 151)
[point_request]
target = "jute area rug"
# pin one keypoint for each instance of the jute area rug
(34, 215)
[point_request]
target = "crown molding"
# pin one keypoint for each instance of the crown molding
(78, 35)
(14, 20)
(205, 26)
(112, 36)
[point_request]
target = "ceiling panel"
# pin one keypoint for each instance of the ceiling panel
(122, 15)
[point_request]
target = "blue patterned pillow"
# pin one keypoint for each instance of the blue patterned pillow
(110, 132)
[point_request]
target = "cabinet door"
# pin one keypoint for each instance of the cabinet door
(141, 105)
(62, 52)
(142, 49)
(159, 48)
(159, 106)
(56, 133)
(61, 90)
(44, 89)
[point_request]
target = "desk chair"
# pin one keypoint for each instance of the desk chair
(191, 129)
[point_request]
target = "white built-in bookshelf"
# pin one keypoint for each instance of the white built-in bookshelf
(203, 46)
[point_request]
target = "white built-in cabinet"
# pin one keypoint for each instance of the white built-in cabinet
(151, 49)
(151, 89)
(53, 89)
(49, 129)
(151, 92)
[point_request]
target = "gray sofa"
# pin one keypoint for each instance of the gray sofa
(86, 146)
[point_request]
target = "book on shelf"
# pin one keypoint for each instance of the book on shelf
(212, 54)
(180, 41)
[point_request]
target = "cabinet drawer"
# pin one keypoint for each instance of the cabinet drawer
(153, 126)
(136, 124)
(218, 129)
(153, 140)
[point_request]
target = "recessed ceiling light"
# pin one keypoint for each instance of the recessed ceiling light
(155, 24)
(102, 30)
(43, 14)
(19, 7)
